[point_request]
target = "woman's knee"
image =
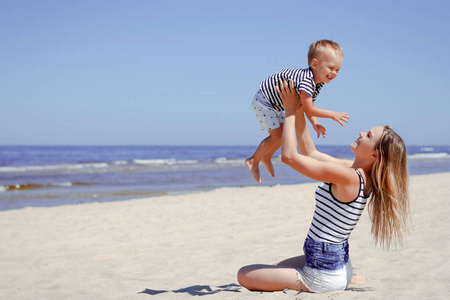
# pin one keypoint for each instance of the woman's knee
(243, 276)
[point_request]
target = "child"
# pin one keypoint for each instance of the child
(324, 60)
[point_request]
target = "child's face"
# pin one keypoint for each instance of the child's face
(326, 66)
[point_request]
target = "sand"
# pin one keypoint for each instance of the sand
(177, 247)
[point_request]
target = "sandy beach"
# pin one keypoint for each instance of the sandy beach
(177, 247)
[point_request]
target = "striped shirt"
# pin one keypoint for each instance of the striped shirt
(303, 80)
(333, 220)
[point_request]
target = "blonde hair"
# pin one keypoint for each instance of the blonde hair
(317, 48)
(389, 203)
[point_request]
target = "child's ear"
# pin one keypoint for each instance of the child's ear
(314, 63)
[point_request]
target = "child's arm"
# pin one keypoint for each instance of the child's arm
(312, 111)
(313, 120)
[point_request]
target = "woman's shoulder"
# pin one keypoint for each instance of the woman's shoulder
(349, 188)
(365, 179)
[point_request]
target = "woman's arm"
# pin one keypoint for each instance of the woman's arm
(308, 165)
(305, 143)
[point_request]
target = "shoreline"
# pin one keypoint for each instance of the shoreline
(16, 202)
(173, 247)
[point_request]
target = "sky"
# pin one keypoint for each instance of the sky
(107, 72)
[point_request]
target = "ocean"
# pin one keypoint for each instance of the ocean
(62, 175)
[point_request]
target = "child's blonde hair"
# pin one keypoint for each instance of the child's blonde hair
(317, 48)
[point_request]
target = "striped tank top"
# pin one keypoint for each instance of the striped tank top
(333, 220)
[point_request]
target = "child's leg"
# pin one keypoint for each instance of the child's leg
(265, 147)
(271, 120)
(267, 159)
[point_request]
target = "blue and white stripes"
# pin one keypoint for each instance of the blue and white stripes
(333, 220)
(303, 80)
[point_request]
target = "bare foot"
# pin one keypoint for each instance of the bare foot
(254, 169)
(268, 164)
(359, 279)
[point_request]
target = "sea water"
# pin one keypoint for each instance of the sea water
(60, 175)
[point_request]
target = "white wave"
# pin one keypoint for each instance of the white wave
(64, 184)
(224, 160)
(186, 162)
(9, 169)
(88, 165)
(54, 167)
(2, 188)
(170, 161)
(28, 168)
(427, 149)
(441, 155)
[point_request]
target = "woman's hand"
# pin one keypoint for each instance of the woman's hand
(291, 101)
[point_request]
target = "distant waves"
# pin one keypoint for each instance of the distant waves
(60, 175)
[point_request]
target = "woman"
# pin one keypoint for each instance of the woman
(378, 172)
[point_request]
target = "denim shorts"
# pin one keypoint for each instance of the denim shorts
(328, 266)
(268, 118)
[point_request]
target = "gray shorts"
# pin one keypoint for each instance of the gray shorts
(268, 118)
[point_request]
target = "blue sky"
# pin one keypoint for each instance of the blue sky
(184, 72)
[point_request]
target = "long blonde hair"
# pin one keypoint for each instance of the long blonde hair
(389, 203)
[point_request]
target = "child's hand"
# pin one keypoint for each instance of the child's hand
(339, 117)
(320, 130)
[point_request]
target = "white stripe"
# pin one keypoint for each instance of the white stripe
(303, 80)
(334, 221)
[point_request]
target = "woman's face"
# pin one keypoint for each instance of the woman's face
(365, 144)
